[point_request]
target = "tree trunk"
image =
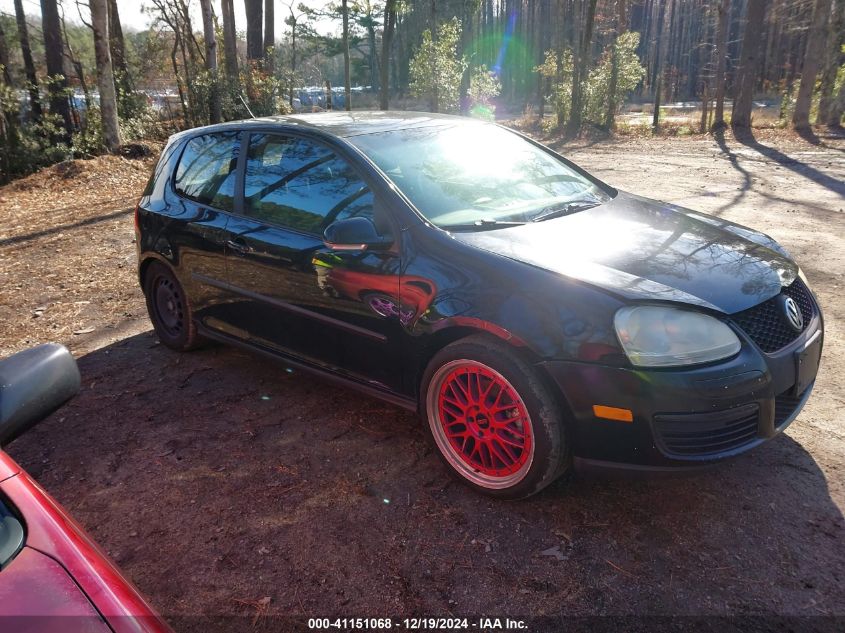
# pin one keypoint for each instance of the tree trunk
(254, 28)
(6, 76)
(117, 47)
(612, 102)
(386, 42)
(655, 113)
(210, 37)
(721, 62)
(812, 60)
(182, 101)
(53, 46)
(188, 68)
(560, 115)
(28, 64)
(466, 35)
(105, 74)
(292, 59)
(77, 66)
(230, 41)
(188, 34)
(837, 109)
(9, 139)
(749, 64)
(347, 87)
(544, 29)
(834, 58)
(580, 74)
(269, 34)
(434, 106)
(372, 58)
(664, 20)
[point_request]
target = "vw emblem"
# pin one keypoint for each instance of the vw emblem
(793, 314)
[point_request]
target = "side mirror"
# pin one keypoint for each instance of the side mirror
(354, 234)
(33, 384)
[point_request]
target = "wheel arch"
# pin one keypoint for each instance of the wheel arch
(448, 335)
(146, 260)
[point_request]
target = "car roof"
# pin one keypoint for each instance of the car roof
(345, 124)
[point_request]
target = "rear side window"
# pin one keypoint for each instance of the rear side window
(207, 169)
(300, 184)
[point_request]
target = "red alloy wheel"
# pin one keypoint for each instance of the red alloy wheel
(480, 423)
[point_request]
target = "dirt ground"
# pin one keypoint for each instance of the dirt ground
(224, 485)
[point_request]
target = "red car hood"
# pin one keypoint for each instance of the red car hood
(62, 572)
(38, 595)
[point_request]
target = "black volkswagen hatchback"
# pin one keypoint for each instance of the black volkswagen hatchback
(533, 315)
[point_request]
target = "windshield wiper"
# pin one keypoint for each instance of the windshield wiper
(558, 211)
(480, 225)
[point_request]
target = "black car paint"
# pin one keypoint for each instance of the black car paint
(650, 251)
(550, 290)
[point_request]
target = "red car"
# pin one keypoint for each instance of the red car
(380, 293)
(53, 577)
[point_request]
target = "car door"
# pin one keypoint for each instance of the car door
(335, 309)
(198, 207)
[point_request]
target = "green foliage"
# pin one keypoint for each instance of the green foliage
(558, 71)
(264, 94)
(790, 95)
(629, 73)
(596, 87)
(787, 101)
(130, 104)
(26, 147)
(145, 125)
(483, 87)
(89, 140)
(436, 69)
(840, 76)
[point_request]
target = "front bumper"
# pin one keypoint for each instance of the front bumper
(686, 418)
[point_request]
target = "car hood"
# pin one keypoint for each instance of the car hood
(647, 250)
(36, 590)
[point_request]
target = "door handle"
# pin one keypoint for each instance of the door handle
(239, 246)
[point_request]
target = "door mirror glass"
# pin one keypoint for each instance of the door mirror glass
(33, 384)
(355, 234)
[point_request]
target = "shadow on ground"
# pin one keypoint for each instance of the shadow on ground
(216, 479)
(804, 170)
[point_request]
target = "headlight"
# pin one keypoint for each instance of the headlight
(654, 336)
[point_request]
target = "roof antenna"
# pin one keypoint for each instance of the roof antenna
(246, 106)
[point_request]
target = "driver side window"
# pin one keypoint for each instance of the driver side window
(302, 185)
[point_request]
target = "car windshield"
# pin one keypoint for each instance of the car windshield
(476, 175)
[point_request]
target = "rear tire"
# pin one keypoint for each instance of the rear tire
(495, 423)
(169, 309)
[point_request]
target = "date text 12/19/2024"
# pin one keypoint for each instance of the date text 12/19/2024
(417, 624)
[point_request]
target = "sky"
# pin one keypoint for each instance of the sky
(132, 15)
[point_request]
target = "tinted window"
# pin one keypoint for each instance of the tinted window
(300, 184)
(206, 171)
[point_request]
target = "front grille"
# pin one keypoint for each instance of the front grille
(766, 324)
(703, 434)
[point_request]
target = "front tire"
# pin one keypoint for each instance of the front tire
(495, 423)
(169, 309)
